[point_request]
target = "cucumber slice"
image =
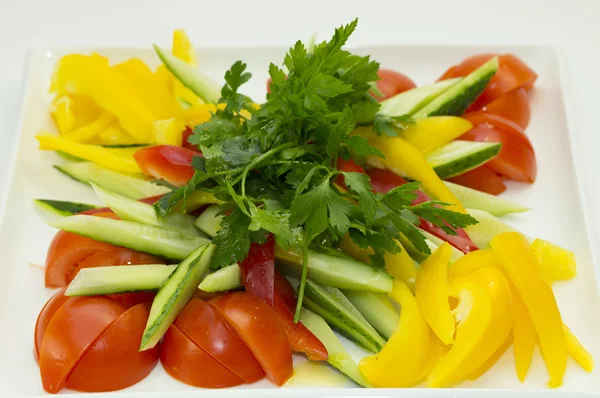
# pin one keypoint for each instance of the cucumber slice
(412, 100)
(175, 293)
(132, 210)
(488, 226)
(456, 99)
(377, 310)
(63, 208)
(209, 221)
(474, 199)
(69, 157)
(118, 279)
(131, 186)
(342, 315)
(226, 278)
(334, 268)
(458, 157)
(145, 238)
(339, 358)
(203, 86)
(434, 242)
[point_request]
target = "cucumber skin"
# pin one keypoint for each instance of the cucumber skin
(64, 208)
(380, 314)
(226, 278)
(495, 205)
(461, 166)
(458, 105)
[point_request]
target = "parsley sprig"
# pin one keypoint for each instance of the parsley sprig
(274, 166)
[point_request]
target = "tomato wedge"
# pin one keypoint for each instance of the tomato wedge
(190, 364)
(391, 83)
(347, 166)
(71, 332)
(516, 159)
(113, 361)
(482, 179)
(168, 162)
(258, 270)
(285, 290)
(206, 327)
(260, 328)
(187, 132)
(513, 106)
(118, 256)
(45, 317)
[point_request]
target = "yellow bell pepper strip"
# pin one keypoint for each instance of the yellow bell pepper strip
(520, 265)
(577, 351)
(88, 132)
(405, 160)
(168, 131)
(198, 114)
(473, 315)
(434, 132)
(400, 363)
(437, 350)
(115, 135)
(184, 50)
(558, 264)
(431, 292)
(487, 365)
(524, 336)
(93, 77)
(399, 265)
(63, 113)
(472, 261)
(120, 159)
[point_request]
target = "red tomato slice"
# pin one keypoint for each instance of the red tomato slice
(114, 361)
(385, 180)
(301, 339)
(513, 106)
(285, 290)
(167, 162)
(261, 329)
(516, 159)
(190, 364)
(71, 332)
(258, 270)
(392, 83)
(206, 327)
(347, 166)
(482, 179)
(184, 139)
(44, 318)
(511, 75)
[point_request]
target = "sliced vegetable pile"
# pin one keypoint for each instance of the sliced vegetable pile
(348, 194)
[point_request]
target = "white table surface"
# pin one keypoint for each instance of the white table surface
(571, 25)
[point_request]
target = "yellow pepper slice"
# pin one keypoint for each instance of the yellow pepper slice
(200, 113)
(520, 265)
(472, 261)
(63, 113)
(401, 361)
(558, 264)
(473, 314)
(120, 159)
(115, 135)
(431, 292)
(90, 131)
(437, 350)
(524, 336)
(492, 360)
(184, 50)
(434, 132)
(577, 351)
(168, 131)
(405, 160)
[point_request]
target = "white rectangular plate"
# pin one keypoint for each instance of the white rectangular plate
(558, 215)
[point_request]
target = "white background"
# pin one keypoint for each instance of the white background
(572, 25)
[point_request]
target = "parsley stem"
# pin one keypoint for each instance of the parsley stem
(302, 285)
(256, 161)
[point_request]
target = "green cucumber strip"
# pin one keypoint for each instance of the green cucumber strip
(203, 86)
(175, 293)
(69, 157)
(145, 238)
(133, 210)
(131, 186)
(339, 358)
(411, 101)
(456, 99)
(474, 199)
(488, 226)
(335, 269)
(377, 310)
(348, 322)
(119, 279)
(209, 221)
(458, 157)
(62, 207)
(226, 278)
(434, 242)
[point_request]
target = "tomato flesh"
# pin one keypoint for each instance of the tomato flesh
(168, 162)
(260, 328)
(513, 106)
(205, 326)
(482, 179)
(190, 364)
(391, 83)
(114, 361)
(258, 270)
(285, 290)
(44, 318)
